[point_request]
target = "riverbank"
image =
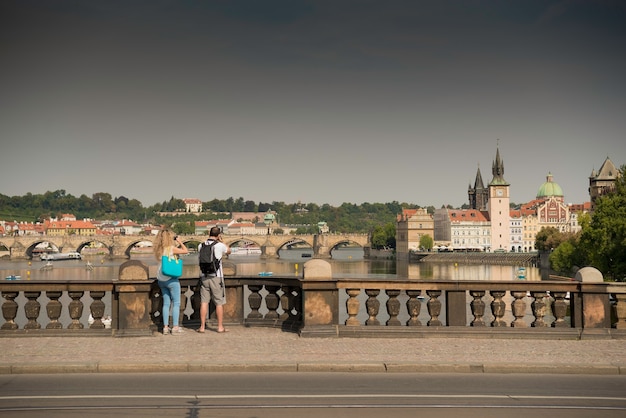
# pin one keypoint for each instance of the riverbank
(503, 259)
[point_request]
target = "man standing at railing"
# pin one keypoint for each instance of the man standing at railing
(212, 282)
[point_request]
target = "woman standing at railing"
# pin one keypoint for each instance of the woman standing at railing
(169, 244)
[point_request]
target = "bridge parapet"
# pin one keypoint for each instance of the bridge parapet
(325, 306)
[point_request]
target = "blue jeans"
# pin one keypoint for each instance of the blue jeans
(171, 297)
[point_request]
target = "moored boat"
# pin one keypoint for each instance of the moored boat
(60, 256)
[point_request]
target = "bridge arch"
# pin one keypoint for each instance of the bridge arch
(121, 245)
(31, 248)
(231, 240)
(89, 240)
(294, 240)
(345, 243)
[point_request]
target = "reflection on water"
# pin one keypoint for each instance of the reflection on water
(347, 263)
(456, 271)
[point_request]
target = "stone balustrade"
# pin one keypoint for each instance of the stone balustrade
(315, 305)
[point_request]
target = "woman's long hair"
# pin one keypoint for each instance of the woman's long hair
(164, 239)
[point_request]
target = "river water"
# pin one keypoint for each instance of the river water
(345, 263)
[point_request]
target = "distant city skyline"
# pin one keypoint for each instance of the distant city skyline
(309, 101)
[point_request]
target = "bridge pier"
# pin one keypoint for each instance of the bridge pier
(17, 251)
(268, 251)
(320, 246)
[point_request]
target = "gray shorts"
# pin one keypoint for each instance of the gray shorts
(213, 288)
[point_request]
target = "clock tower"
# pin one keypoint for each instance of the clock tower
(498, 206)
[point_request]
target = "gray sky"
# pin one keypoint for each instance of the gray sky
(312, 101)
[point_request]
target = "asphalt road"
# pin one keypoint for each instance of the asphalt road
(364, 395)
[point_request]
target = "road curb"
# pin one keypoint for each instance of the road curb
(313, 367)
(342, 367)
(604, 369)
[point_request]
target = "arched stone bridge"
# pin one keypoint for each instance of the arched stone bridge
(120, 246)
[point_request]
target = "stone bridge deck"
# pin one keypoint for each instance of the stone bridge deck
(120, 246)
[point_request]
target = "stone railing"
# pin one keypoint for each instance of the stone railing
(562, 308)
(318, 305)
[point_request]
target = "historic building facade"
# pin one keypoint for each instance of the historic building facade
(491, 225)
(602, 181)
(499, 207)
(411, 226)
(462, 229)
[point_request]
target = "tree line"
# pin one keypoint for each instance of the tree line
(377, 219)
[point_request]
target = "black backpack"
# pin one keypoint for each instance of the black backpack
(208, 263)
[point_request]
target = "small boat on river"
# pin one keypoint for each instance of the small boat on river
(60, 256)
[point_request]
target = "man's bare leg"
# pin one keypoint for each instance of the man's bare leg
(219, 312)
(204, 310)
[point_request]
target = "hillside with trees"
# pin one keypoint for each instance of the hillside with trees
(377, 219)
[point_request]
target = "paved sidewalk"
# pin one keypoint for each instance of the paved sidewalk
(266, 349)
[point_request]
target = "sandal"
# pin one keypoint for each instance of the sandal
(177, 330)
(166, 330)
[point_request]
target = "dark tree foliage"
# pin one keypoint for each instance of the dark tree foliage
(346, 218)
(602, 240)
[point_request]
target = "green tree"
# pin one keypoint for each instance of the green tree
(426, 242)
(183, 228)
(561, 259)
(379, 238)
(603, 240)
(249, 206)
(390, 231)
(548, 238)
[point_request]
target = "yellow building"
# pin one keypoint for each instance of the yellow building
(411, 226)
(58, 228)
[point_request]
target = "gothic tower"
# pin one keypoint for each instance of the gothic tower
(498, 206)
(479, 194)
(603, 181)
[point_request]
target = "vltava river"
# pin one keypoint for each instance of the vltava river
(347, 263)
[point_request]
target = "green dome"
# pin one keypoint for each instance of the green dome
(549, 189)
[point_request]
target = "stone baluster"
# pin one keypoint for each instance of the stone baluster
(498, 308)
(518, 308)
(9, 310)
(286, 303)
(255, 301)
(54, 309)
(352, 307)
(97, 309)
(297, 303)
(271, 302)
(373, 305)
(620, 310)
(31, 309)
(156, 304)
(195, 301)
(413, 306)
(76, 309)
(393, 307)
(559, 310)
(478, 308)
(434, 308)
(538, 307)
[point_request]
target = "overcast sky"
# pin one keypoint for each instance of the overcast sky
(311, 101)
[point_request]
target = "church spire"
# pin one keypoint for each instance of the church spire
(478, 183)
(497, 169)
